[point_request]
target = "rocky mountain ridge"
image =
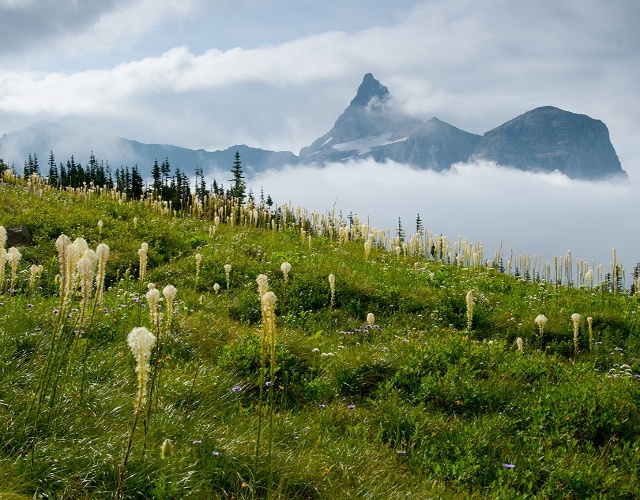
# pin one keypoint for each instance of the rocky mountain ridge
(544, 139)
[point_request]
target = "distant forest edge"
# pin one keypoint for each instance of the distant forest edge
(174, 187)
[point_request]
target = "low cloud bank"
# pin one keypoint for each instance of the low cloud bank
(545, 214)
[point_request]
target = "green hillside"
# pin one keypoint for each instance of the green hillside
(422, 373)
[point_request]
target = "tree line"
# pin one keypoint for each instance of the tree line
(165, 183)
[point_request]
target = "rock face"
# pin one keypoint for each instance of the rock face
(547, 139)
(371, 128)
(19, 236)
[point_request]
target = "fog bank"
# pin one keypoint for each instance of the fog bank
(546, 214)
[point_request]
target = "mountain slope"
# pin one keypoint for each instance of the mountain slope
(547, 139)
(43, 137)
(371, 127)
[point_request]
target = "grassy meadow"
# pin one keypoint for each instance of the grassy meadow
(419, 370)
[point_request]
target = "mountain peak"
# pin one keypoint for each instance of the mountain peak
(368, 89)
(549, 138)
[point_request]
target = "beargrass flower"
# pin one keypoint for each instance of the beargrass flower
(541, 321)
(575, 318)
(285, 267)
(332, 286)
(141, 341)
(371, 319)
(165, 449)
(469, 299)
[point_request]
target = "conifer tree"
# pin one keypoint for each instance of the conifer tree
(157, 178)
(54, 177)
(239, 186)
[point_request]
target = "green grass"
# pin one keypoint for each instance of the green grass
(416, 406)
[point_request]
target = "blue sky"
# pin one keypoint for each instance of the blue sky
(276, 75)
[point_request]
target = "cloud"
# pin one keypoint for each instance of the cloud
(473, 65)
(544, 214)
(69, 28)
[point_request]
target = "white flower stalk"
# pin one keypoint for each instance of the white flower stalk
(142, 253)
(591, 337)
(62, 245)
(34, 270)
(285, 267)
(520, 344)
(3, 237)
(100, 224)
(268, 301)
(166, 448)
(541, 321)
(575, 318)
(169, 293)
(371, 319)
(13, 257)
(470, 305)
(367, 249)
(141, 342)
(332, 286)
(216, 287)
(86, 269)
(135, 222)
(81, 245)
(102, 253)
(263, 284)
(227, 272)
(153, 298)
(3, 263)
(198, 262)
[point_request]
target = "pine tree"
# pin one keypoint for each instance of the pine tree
(419, 226)
(239, 186)
(400, 231)
(157, 178)
(137, 184)
(54, 177)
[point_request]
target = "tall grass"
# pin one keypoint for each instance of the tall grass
(393, 381)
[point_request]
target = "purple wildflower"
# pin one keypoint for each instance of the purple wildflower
(508, 466)
(196, 442)
(351, 407)
(237, 388)
(215, 453)
(322, 405)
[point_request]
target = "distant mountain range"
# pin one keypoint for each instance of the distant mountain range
(542, 140)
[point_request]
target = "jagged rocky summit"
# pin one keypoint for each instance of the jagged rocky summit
(545, 139)
(542, 140)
